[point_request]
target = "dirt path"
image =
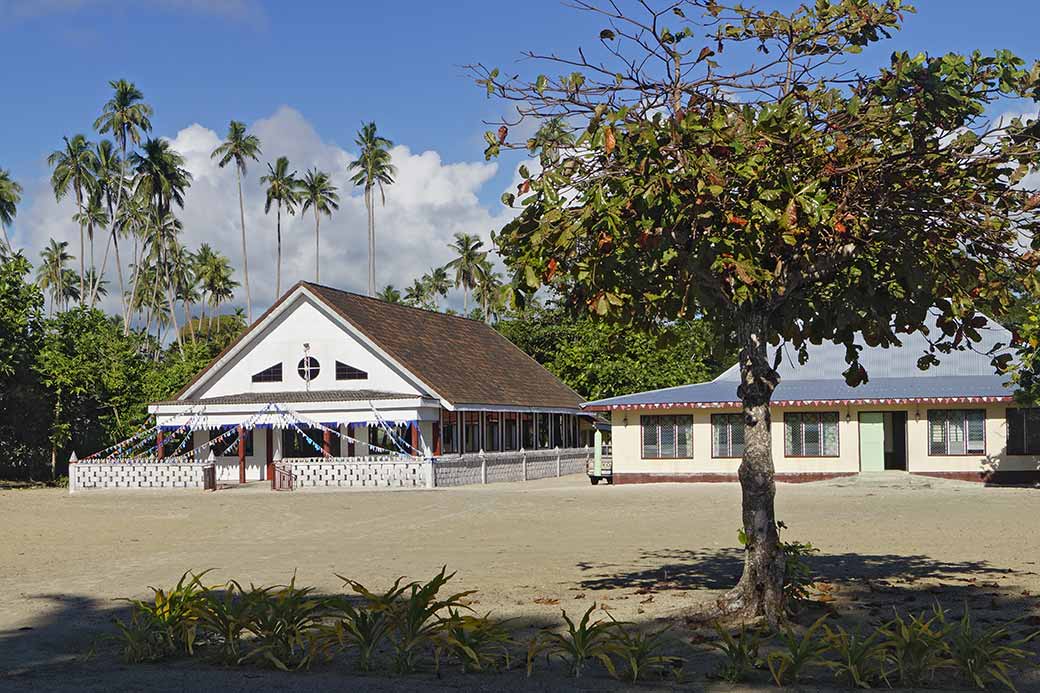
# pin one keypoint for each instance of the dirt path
(645, 552)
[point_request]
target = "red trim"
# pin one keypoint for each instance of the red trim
(414, 426)
(270, 457)
(990, 478)
(791, 478)
(806, 403)
(159, 452)
(241, 454)
(326, 442)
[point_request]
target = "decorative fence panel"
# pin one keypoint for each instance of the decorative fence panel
(142, 474)
(519, 465)
(357, 472)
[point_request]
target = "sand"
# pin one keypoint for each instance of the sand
(647, 553)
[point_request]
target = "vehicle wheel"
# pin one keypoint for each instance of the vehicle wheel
(610, 481)
(594, 480)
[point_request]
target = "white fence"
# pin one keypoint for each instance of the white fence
(358, 472)
(141, 474)
(519, 465)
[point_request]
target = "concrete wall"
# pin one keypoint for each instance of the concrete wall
(627, 450)
(493, 467)
(87, 476)
(389, 472)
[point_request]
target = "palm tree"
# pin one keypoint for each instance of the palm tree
(489, 292)
(437, 284)
(317, 191)
(127, 117)
(92, 216)
(239, 147)
(74, 167)
(10, 196)
(468, 263)
(390, 294)
(50, 275)
(282, 189)
(110, 184)
(418, 294)
(374, 170)
(132, 220)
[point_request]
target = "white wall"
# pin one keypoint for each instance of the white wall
(627, 452)
(304, 321)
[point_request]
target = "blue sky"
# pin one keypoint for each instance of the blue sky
(332, 64)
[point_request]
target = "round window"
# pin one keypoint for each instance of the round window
(308, 368)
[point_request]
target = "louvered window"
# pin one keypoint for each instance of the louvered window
(727, 435)
(811, 434)
(956, 431)
(667, 437)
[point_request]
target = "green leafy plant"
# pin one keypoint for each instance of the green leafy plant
(165, 625)
(982, 655)
(584, 641)
(282, 620)
(858, 656)
(478, 643)
(355, 628)
(801, 651)
(914, 647)
(640, 653)
(740, 654)
(222, 616)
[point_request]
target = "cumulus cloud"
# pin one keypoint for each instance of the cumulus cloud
(429, 202)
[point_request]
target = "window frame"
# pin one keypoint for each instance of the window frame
(344, 371)
(1025, 413)
(260, 377)
(675, 437)
(820, 414)
(308, 363)
(728, 415)
(946, 433)
(449, 433)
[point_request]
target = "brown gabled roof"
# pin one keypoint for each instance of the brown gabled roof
(464, 361)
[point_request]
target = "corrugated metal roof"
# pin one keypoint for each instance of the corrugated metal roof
(893, 374)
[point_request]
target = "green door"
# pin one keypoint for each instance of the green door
(872, 441)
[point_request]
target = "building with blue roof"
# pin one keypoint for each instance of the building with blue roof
(956, 419)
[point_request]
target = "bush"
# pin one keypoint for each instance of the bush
(584, 641)
(640, 653)
(164, 626)
(800, 651)
(982, 655)
(859, 656)
(282, 619)
(740, 653)
(915, 648)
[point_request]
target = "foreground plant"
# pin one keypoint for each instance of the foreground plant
(416, 618)
(858, 656)
(583, 641)
(640, 653)
(799, 653)
(165, 625)
(282, 620)
(222, 616)
(740, 654)
(985, 654)
(914, 647)
(478, 643)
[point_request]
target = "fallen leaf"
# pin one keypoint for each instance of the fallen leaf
(548, 601)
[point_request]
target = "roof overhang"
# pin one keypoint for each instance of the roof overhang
(733, 404)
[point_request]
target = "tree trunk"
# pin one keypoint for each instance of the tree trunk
(759, 594)
(371, 243)
(82, 248)
(278, 262)
(7, 240)
(245, 257)
(133, 289)
(115, 215)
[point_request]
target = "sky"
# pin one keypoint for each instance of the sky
(304, 75)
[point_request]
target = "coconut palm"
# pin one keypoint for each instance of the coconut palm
(160, 175)
(239, 147)
(93, 216)
(131, 221)
(317, 192)
(374, 170)
(418, 294)
(50, 274)
(490, 292)
(74, 167)
(550, 138)
(468, 264)
(282, 189)
(10, 196)
(390, 294)
(110, 184)
(127, 117)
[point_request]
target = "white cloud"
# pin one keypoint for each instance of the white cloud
(430, 201)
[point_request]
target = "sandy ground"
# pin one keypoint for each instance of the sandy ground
(646, 553)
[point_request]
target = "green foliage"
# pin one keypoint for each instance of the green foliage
(640, 653)
(915, 647)
(600, 359)
(416, 619)
(985, 654)
(584, 641)
(477, 643)
(222, 616)
(858, 657)
(740, 654)
(282, 620)
(800, 652)
(165, 625)
(798, 574)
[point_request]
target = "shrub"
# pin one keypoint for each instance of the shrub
(165, 625)
(914, 647)
(478, 643)
(222, 616)
(859, 656)
(282, 619)
(982, 655)
(357, 628)
(800, 651)
(416, 620)
(740, 654)
(583, 641)
(640, 653)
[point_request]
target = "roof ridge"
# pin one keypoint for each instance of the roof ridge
(405, 306)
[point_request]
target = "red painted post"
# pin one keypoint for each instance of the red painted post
(350, 443)
(415, 437)
(159, 452)
(436, 438)
(326, 442)
(269, 470)
(241, 454)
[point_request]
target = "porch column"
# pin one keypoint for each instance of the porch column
(351, 450)
(326, 442)
(159, 452)
(436, 438)
(413, 428)
(268, 471)
(241, 454)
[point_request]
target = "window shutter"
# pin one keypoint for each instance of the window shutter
(976, 419)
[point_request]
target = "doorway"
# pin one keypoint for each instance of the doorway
(882, 441)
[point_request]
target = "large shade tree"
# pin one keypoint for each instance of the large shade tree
(729, 164)
(238, 148)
